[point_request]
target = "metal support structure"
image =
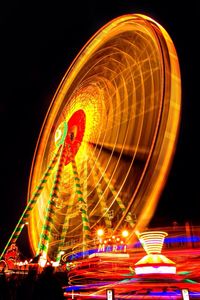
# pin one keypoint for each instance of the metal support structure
(51, 207)
(31, 203)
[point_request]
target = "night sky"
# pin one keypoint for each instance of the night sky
(38, 41)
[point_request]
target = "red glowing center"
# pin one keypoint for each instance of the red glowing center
(76, 129)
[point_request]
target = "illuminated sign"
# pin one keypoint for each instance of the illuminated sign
(113, 244)
(112, 248)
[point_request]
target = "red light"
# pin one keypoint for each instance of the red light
(76, 129)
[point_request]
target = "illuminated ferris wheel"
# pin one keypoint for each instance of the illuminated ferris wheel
(108, 139)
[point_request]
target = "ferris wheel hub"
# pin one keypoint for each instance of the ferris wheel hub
(74, 137)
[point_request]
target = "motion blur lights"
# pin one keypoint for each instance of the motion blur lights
(116, 113)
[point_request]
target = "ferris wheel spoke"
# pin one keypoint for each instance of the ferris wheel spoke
(127, 152)
(102, 201)
(117, 199)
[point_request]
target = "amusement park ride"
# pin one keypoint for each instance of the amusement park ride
(107, 142)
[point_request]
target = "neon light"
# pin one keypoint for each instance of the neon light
(154, 261)
(121, 255)
(155, 270)
(112, 248)
(152, 241)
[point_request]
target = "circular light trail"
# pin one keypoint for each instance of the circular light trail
(114, 120)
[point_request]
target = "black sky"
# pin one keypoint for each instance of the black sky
(38, 41)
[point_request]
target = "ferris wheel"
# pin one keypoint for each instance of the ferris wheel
(108, 139)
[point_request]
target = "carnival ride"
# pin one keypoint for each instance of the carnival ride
(108, 140)
(172, 274)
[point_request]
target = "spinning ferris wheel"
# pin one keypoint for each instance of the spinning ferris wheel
(108, 139)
